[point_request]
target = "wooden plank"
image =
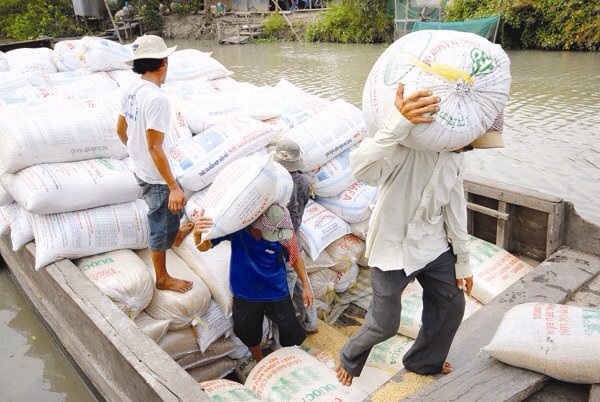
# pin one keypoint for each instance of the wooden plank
(553, 281)
(555, 235)
(487, 211)
(503, 232)
(121, 362)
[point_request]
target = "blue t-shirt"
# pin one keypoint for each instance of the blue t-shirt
(257, 271)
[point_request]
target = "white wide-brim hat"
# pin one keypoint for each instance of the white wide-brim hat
(150, 47)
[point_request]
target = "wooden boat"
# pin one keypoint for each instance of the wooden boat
(122, 364)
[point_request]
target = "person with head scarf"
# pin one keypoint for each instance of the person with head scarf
(258, 278)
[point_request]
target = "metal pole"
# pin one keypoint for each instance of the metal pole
(113, 21)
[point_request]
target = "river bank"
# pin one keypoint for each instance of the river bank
(198, 26)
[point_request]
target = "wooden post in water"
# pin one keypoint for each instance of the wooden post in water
(288, 21)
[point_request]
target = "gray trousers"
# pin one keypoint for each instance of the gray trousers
(443, 309)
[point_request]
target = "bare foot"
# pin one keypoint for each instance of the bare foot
(174, 284)
(343, 376)
(183, 231)
(447, 368)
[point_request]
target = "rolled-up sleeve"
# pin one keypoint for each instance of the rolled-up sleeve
(370, 161)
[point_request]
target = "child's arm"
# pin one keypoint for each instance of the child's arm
(307, 294)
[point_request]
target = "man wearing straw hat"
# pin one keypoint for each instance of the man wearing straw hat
(141, 126)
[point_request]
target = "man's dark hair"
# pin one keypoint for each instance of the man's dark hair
(142, 66)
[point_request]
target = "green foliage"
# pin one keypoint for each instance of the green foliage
(542, 24)
(30, 19)
(275, 26)
(354, 21)
(152, 19)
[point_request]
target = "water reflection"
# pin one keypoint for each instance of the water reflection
(552, 119)
(32, 368)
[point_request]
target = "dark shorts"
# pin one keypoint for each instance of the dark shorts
(162, 223)
(248, 319)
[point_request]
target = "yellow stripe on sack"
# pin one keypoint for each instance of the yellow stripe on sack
(448, 72)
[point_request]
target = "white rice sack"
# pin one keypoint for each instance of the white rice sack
(330, 132)
(21, 222)
(212, 267)
(3, 63)
(360, 229)
(155, 329)
(240, 193)
(179, 131)
(5, 197)
(122, 276)
(57, 130)
(91, 54)
(352, 204)
(5, 219)
(285, 185)
(196, 203)
(323, 261)
(303, 375)
(219, 348)
(323, 284)
(557, 340)
(66, 77)
(99, 82)
(189, 89)
(212, 325)
(345, 251)
(347, 279)
(26, 93)
(335, 176)
(191, 63)
(205, 111)
(320, 227)
(123, 77)
(494, 269)
(71, 186)
(388, 354)
(227, 390)
(219, 368)
(181, 309)
(89, 232)
(293, 114)
(470, 74)
(197, 161)
(27, 60)
(179, 343)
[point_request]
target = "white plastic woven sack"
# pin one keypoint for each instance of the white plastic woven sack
(57, 130)
(71, 186)
(122, 276)
(3, 63)
(320, 227)
(494, 269)
(388, 354)
(330, 132)
(89, 232)
(360, 229)
(27, 60)
(179, 130)
(21, 222)
(240, 193)
(345, 251)
(4, 219)
(191, 63)
(91, 54)
(227, 390)
(323, 284)
(184, 90)
(99, 82)
(346, 279)
(218, 349)
(219, 368)
(155, 329)
(66, 77)
(212, 325)
(285, 185)
(5, 197)
(557, 340)
(196, 203)
(197, 161)
(213, 267)
(25, 93)
(123, 77)
(179, 343)
(295, 113)
(470, 74)
(322, 262)
(352, 204)
(181, 309)
(335, 176)
(304, 375)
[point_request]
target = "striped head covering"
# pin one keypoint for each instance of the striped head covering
(275, 224)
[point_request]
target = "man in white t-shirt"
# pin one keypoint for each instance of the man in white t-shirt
(142, 125)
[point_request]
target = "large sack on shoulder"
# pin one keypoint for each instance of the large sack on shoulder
(352, 204)
(335, 176)
(71, 186)
(557, 340)
(304, 374)
(212, 267)
(320, 227)
(91, 54)
(197, 161)
(90, 231)
(494, 269)
(470, 74)
(182, 309)
(327, 134)
(240, 193)
(122, 276)
(31, 60)
(57, 130)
